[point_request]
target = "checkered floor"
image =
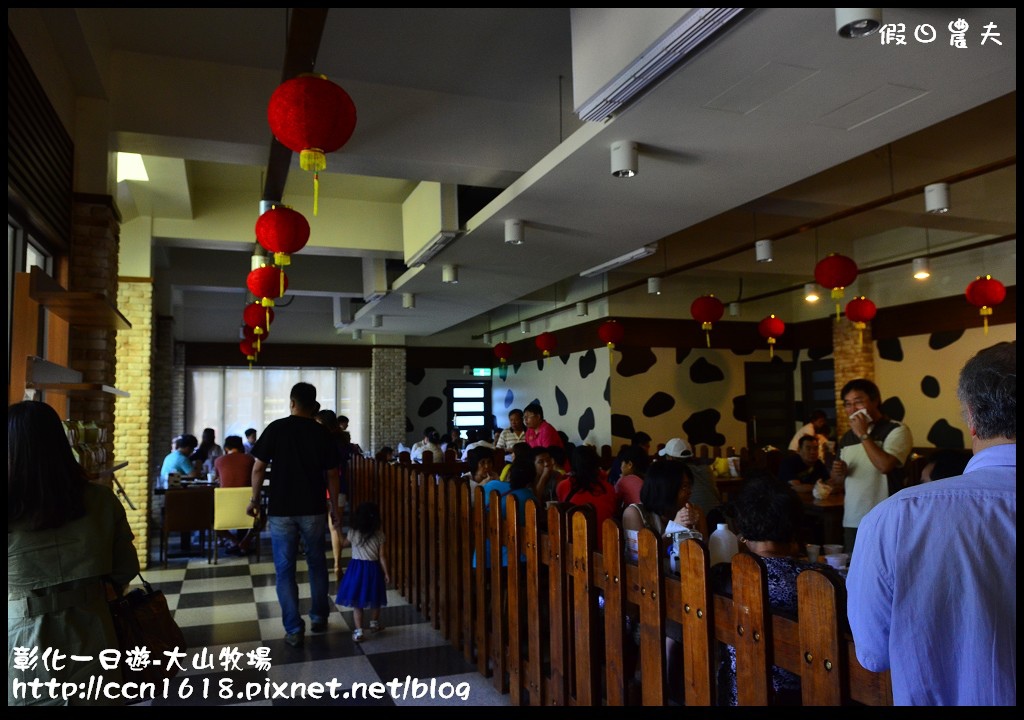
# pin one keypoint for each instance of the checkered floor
(234, 605)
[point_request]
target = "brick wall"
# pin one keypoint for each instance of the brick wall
(177, 394)
(387, 397)
(853, 351)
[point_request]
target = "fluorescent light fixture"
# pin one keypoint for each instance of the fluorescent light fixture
(131, 167)
(436, 244)
(357, 334)
(629, 257)
(811, 292)
(936, 198)
(378, 321)
(921, 269)
(514, 232)
(450, 274)
(734, 309)
(524, 327)
(654, 285)
(857, 22)
(581, 309)
(624, 159)
(763, 251)
(408, 301)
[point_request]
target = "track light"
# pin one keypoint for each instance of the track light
(624, 159)
(857, 22)
(763, 251)
(654, 285)
(514, 232)
(524, 327)
(581, 309)
(936, 198)
(408, 301)
(487, 338)
(357, 334)
(734, 309)
(811, 292)
(450, 274)
(378, 321)
(921, 269)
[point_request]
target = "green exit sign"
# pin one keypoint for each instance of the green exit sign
(481, 372)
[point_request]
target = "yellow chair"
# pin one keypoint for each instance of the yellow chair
(229, 506)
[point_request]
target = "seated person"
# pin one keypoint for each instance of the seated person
(207, 451)
(519, 489)
(586, 485)
(481, 469)
(520, 450)
(767, 515)
(385, 455)
(705, 492)
(639, 440)
(250, 440)
(177, 461)
(817, 426)
(804, 467)
(234, 469)
(633, 461)
(431, 442)
(546, 473)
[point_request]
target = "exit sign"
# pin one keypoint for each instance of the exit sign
(481, 372)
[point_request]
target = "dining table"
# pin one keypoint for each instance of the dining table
(827, 514)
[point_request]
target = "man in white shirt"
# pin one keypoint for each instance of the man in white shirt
(515, 432)
(816, 427)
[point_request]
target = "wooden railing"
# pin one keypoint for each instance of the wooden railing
(536, 627)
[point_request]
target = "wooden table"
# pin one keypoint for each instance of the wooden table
(728, 486)
(830, 514)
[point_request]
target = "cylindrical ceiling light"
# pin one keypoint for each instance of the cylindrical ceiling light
(581, 309)
(524, 327)
(450, 274)
(378, 321)
(408, 301)
(857, 22)
(514, 232)
(357, 334)
(654, 285)
(624, 159)
(487, 338)
(936, 198)
(811, 292)
(922, 270)
(257, 261)
(763, 251)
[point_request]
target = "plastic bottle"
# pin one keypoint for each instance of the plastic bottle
(722, 544)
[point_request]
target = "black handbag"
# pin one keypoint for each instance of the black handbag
(142, 619)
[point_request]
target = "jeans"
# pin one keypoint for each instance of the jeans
(284, 537)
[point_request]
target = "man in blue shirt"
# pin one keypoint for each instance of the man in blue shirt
(932, 588)
(177, 461)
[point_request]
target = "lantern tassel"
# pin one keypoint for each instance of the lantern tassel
(316, 192)
(985, 312)
(706, 327)
(837, 295)
(771, 348)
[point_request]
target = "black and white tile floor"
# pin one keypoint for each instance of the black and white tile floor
(233, 606)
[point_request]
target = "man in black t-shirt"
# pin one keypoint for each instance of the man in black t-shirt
(804, 467)
(305, 462)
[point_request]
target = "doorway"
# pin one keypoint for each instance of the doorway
(770, 411)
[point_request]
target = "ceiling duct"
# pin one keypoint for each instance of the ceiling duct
(430, 220)
(596, 35)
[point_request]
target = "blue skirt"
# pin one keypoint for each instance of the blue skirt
(363, 585)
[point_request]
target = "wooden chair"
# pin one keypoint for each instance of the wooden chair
(186, 510)
(229, 506)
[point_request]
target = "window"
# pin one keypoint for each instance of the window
(229, 400)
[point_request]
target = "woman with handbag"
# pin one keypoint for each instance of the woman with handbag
(66, 538)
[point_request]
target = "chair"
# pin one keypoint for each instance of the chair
(185, 510)
(229, 506)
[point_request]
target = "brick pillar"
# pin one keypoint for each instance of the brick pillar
(133, 416)
(163, 393)
(177, 395)
(387, 397)
(854, 355)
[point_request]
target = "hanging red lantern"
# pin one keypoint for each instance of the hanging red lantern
(267, 283)
(611, 332)
(257, 317)
(985, 293)
(707, 309)
(860, 311)
(771, 327)
(835, 272)
(282, 231)
(546, 342)
(256, 335)
(312, 116)
(502, 351)
(248, 350)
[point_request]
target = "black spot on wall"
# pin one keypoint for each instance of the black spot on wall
(703, 371)
(819, 352)
(540, 364)
(509, 398)
(939, 340)
(739, 409)
(586, 423)
(564, 359)
(636, 361)
(890, 349)
(681, 354)
(658, 404)
(622, 426)
(778, 360)
(944, 435)
(893, 407)
(588, 363)
(741, 351)
(414, 375)
(515, 368)
(561, 401)
(503, 372)
(535, 401)
(930, 386)
(408, 424)
(608, 391)
(430, 405)
(701, 428)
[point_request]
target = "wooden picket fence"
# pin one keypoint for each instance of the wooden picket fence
(536, 627)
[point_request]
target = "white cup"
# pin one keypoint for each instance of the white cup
(813, 551)
(839, 560)
(211, 476)
(832, 549)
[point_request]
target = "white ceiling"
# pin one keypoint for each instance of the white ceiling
(483, 97)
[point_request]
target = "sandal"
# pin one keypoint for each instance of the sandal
(375, 626)
(357, 636)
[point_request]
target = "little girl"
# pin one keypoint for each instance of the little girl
(365, 582)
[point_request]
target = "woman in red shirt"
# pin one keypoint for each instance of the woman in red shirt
(587, 484)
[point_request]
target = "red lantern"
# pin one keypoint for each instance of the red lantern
(611, 332)
(707, 309)
(267, 283)
(501, 351)
(312, 116)
(257, 317)
(282, 231)
(860, 311)
(835, 272)
(256, 335)
(248, 350)
(984, 293)
(546, 342)
(771, 327)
